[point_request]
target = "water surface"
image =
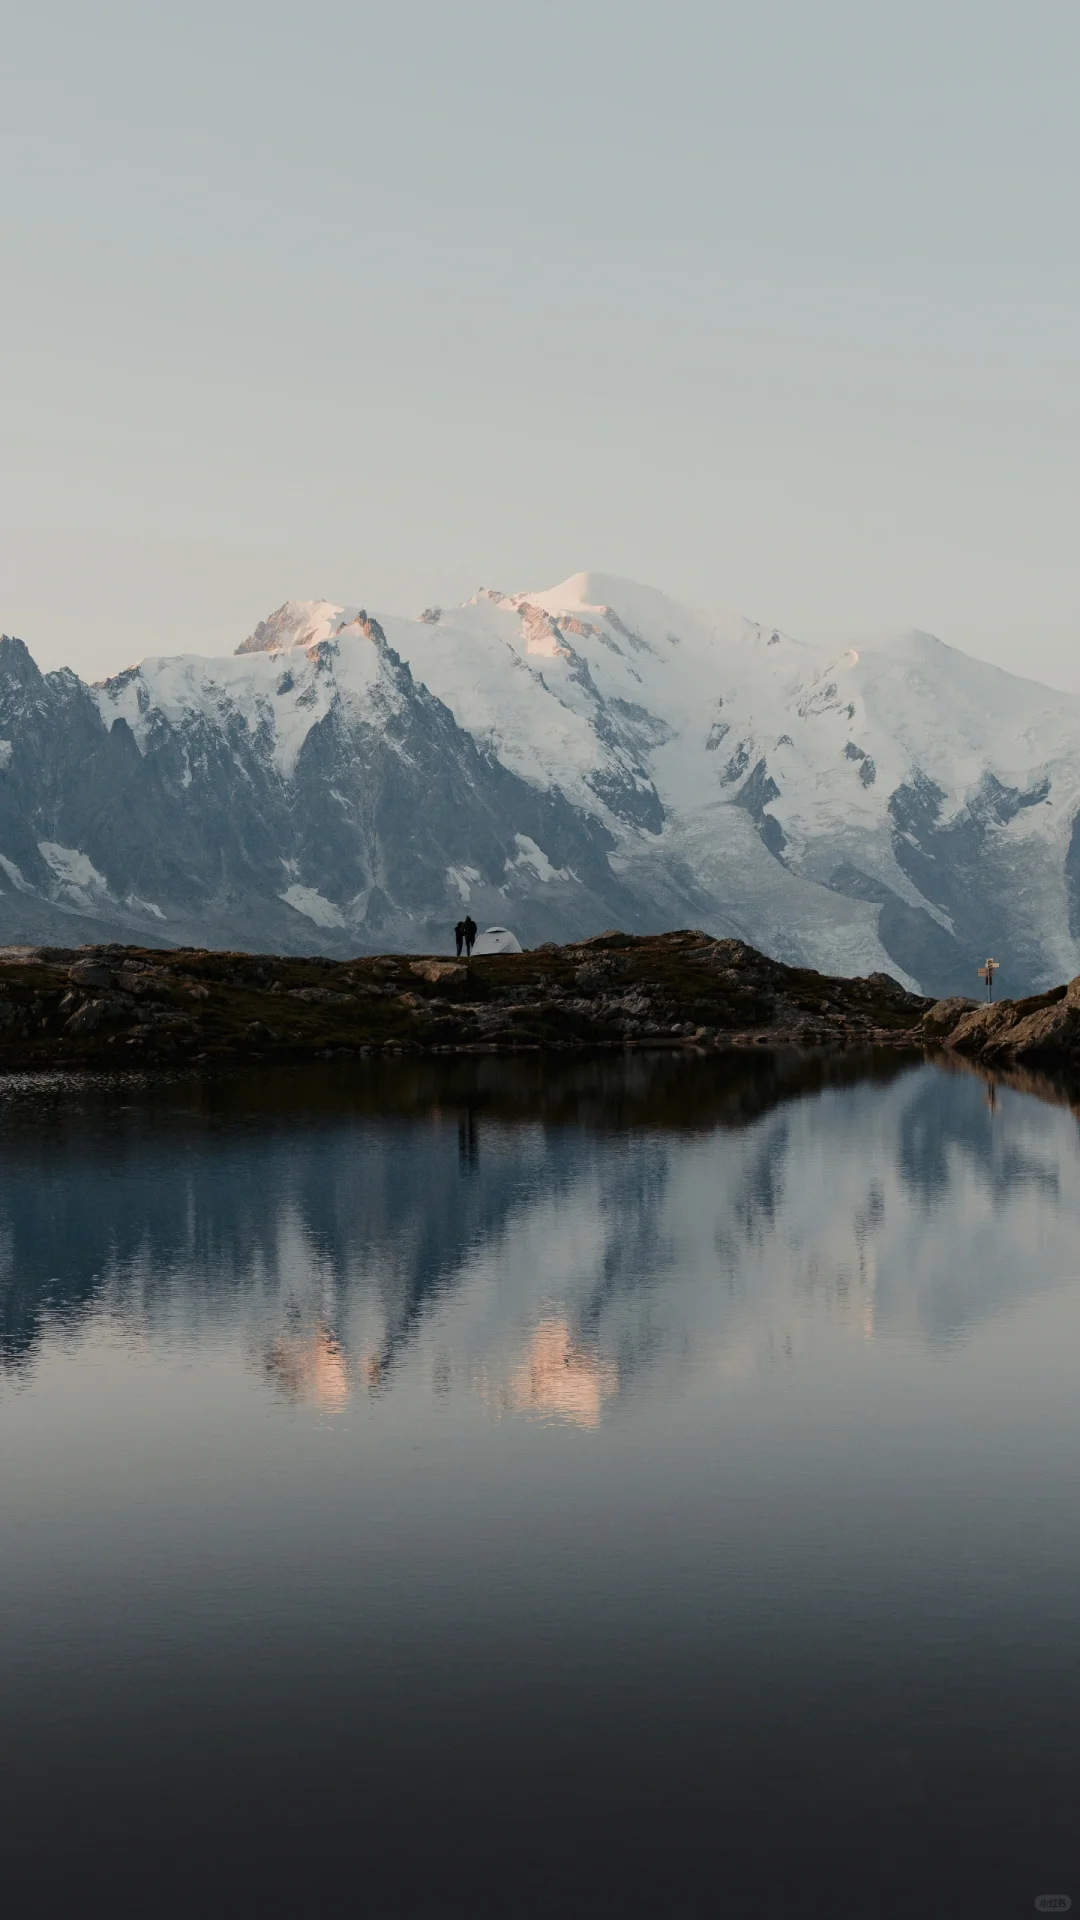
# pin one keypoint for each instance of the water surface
(632, 1485)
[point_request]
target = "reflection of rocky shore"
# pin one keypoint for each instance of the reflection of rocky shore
(1047, 1081)
(546, 1234)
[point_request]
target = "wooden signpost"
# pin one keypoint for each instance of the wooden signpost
(987, 972)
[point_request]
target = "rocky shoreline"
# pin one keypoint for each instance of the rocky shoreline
(111, 1006)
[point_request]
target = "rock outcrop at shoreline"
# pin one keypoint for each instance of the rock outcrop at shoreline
(1043, 1031)
(121, 1006)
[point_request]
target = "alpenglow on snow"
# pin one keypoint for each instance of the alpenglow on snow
(588, 756)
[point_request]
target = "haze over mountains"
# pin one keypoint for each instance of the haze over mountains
(558, 761)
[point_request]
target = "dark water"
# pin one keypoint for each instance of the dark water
(623, 1487)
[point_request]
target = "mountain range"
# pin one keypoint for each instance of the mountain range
(591, 755)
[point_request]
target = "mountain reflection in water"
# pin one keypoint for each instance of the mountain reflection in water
(637, 1484)
(548, 1236)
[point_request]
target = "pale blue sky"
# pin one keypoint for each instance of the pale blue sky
(773, 304)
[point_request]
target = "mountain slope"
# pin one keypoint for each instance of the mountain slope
(559, 760)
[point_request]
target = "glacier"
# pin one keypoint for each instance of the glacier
(590, 754)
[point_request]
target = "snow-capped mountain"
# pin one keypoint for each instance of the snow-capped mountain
(558, 761)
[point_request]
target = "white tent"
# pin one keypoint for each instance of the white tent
(497, 940)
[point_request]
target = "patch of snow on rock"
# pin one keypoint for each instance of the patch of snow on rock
(534, 857)
(464, 879)
(77, 878)
(313, 905)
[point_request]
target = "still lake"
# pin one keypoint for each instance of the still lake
(649, 1484)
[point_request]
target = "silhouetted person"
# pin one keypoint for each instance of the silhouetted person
(459, 936)
(470, 930)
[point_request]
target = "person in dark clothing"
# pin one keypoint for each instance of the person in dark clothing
(470, 931)
(459, 936)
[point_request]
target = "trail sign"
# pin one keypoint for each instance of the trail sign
(987, 972)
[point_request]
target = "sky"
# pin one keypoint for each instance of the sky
(773, 304)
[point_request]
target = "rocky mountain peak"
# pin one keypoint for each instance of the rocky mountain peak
(17, 664)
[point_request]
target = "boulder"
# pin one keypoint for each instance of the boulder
(984, 1023)
(88, 1018)
(90, 973)
(439, 972)
(1049, 1036)
(944, 1015)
